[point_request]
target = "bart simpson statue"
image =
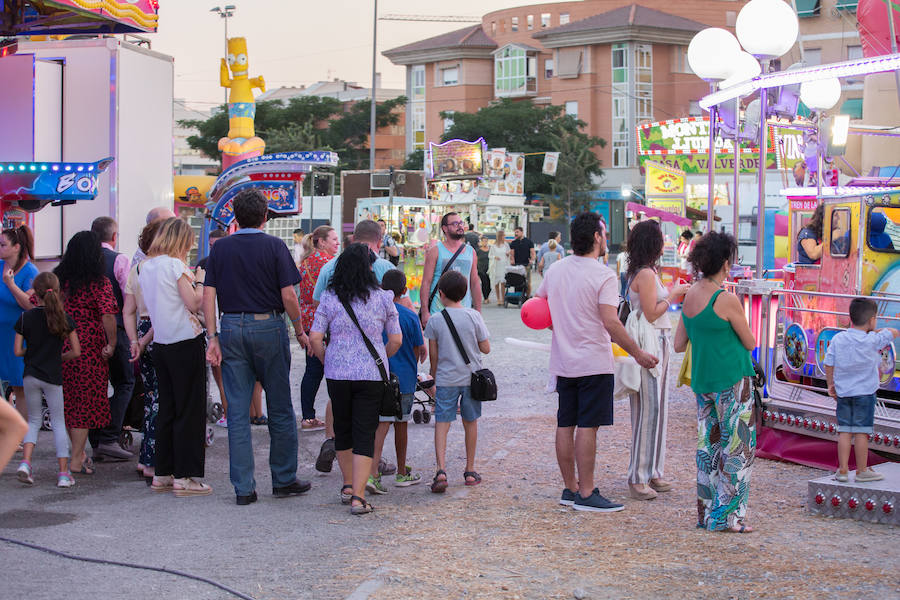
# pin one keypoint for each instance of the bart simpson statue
(241, 142)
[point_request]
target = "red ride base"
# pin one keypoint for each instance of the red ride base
(777, 444)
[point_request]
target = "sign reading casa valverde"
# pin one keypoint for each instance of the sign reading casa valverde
(684, 144)
(456, 158)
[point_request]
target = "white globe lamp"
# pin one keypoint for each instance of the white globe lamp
(822, 94)
(712, 54)
(767, 28)
(744, 68)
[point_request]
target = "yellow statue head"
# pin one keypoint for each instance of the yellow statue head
(237, 57)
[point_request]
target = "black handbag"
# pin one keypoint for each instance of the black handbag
(483, 385)
(390, 397)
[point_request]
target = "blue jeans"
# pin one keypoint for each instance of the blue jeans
(256, 348)
(309, 387)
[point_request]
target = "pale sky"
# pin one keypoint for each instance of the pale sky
(297, 42)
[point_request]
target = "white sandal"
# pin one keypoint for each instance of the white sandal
(189, 486)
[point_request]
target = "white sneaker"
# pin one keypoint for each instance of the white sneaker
(65, 480)
(222, 422)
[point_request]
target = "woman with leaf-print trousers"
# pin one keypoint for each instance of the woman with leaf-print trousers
(714, 322)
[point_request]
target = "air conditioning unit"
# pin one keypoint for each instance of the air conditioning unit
(380, 181)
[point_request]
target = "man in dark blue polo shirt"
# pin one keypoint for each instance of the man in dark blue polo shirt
(252, 275)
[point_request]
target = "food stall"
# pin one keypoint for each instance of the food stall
(416, 221)
(485, 186)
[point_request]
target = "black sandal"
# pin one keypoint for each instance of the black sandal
(360, 509)
(439, 486)
(474, 475)
(346, 498)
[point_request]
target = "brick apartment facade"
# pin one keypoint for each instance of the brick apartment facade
(612, 63)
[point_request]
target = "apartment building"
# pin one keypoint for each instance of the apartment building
(611, 63)
(390, 141)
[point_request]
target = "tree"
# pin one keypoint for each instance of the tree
(296, 137)
(522, 126)
(415, 160)
(573, 182)
(304, 123)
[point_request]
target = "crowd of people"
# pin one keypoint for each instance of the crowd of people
(100, 318)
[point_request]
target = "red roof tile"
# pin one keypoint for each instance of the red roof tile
(633, 15)
(468, 37)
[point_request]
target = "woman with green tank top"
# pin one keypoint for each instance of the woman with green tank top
(713, 321)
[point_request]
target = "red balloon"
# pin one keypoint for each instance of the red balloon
(536, 313)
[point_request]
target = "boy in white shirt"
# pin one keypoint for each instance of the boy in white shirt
(851, 368)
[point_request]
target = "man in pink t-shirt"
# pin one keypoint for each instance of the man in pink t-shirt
(583, 295)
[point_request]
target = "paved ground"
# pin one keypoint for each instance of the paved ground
(504, 539)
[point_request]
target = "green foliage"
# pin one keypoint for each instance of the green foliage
(304, 123)
(523, 126)
(577, 163)
(415, 161)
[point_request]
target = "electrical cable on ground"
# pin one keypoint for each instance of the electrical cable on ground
(116, 563)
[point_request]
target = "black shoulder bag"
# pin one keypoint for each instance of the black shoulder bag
(483, 384)
(444, 270)
(390, 397)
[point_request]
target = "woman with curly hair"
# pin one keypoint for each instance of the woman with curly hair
(649, 301)
(713, 321)
(353, 378)
(88, 298)
(809, 240)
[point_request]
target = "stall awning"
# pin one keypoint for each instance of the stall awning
(846, 5)
(662, 215)
(807, 8)
(68, 17)
(852, 107)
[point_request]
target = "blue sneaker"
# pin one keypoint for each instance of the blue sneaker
(568, 497)
(595, 503)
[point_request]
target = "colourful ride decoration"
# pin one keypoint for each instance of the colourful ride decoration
(279, 177)
(241, 142)
(794, 324)
(27, 187)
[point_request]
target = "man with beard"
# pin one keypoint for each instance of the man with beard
(451, 254)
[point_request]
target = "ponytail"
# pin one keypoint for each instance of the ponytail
(22, 237)
(46, 287)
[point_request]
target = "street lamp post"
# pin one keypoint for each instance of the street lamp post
(374, 75)
(712, 55)
(766, 29)
(225, 12)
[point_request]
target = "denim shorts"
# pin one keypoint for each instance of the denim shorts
(856, 414)
(406, 402)
(447, 398)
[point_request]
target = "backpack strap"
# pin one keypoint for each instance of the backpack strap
(444, 270)
(369, 346)
(455, 335)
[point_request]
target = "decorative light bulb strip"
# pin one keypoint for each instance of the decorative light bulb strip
(850, 68)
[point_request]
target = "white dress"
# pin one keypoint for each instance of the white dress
(499, 260)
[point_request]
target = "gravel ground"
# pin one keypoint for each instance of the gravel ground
(507, 538)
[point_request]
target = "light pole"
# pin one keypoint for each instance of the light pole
(766, 29)
(712, 55)
(225, 12)
(372, 111)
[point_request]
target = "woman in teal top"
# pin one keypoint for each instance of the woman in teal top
(16, 248)
(713, 321)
